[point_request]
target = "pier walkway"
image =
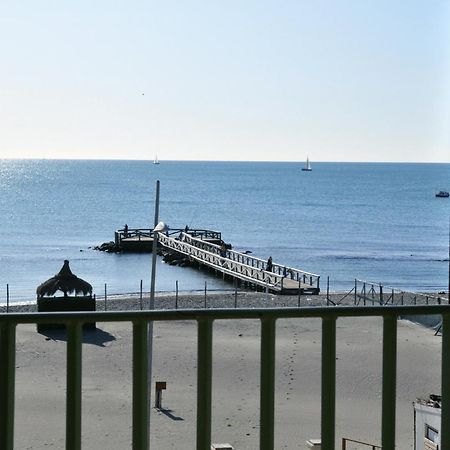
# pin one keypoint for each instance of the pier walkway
(204, 248)
(242, 267)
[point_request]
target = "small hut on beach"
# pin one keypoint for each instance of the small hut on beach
(68, 283)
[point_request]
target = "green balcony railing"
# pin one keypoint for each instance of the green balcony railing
(205, 318)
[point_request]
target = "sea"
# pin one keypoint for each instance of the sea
(372, 221)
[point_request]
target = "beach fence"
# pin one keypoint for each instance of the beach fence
(365, 293)
(201, 297)
(205, 318)
(109, 299)
(371, 293)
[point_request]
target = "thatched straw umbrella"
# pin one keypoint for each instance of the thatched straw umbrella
(64, 281)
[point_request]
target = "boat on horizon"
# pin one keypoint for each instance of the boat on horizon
(443, 194)
(156, 160)
(307, 167)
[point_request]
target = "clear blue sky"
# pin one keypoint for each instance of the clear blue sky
(352, 80)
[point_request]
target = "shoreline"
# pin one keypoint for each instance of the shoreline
(236, 299)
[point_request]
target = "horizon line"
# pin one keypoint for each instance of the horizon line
(150, 160)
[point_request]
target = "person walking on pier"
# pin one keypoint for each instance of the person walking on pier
(269, 264)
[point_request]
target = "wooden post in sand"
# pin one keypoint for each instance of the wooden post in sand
(328, 290)
(159, 387)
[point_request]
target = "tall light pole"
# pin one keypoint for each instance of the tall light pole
(157, 228)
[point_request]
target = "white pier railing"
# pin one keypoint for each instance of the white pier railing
(200, 251)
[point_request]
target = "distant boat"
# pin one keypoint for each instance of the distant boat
(443, 194)
(307, 167)
(156, 161)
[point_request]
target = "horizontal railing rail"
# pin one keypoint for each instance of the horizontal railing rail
(298, 275)
(205, 319)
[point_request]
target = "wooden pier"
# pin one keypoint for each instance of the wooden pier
(203, 247)
(141, 239)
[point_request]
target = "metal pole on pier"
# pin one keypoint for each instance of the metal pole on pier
(7, 298)
(105, 296)
(140, 296)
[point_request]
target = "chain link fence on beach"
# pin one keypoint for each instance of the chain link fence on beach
(363, 293)
(367, 292)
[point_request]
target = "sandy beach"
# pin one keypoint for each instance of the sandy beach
(107, 362)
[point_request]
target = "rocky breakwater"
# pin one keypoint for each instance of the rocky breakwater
(109, 247)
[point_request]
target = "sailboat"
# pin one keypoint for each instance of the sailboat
(307, 167)
(156, 161)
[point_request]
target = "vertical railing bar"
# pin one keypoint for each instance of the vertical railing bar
(73, 399)
(328, 382)
(204, 383)
(7, 382)
(389, 382)
(445, 382)
(140, 386)
(267, 393)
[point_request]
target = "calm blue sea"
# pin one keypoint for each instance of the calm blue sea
(379, 222)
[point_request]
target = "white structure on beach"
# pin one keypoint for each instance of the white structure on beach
(427, 423)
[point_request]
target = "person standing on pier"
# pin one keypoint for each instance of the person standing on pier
(269, 264)
(223, 250)
(125, 230)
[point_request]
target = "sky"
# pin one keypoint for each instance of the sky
(353, 80)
